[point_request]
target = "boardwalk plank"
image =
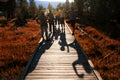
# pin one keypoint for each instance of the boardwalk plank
(60, 77)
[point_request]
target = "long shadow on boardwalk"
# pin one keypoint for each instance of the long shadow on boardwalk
(63, 41)
(80, 61)
(38, 55)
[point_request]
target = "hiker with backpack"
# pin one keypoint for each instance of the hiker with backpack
(42, 20)
(51, 22)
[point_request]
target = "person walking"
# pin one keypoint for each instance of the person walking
(62, 21)
(72, 19)
(51, 21)
(42, 20)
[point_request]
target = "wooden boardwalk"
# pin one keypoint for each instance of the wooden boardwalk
(60, 59)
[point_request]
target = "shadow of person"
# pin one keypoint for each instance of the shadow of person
(81, 61)
(62, 28)
(62, 42)
(38, 54)
(57, 33)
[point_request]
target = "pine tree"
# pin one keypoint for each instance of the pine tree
(39, 9)
(67, 8)
(50, 7)
(22, 12)
(32, 9)
(8, 7)
(79, 6)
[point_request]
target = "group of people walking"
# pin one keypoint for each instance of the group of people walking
(51, 20)
(48, 23)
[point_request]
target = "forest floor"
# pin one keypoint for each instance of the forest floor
(18, 44)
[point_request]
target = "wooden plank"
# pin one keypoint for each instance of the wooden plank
(62, 68)
(55, 64)
(59, 71)
(56, 51)
(59, 74)
(62, 77)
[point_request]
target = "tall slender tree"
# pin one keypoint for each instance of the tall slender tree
(79, 6)
(8, 7)
(67, 8)
(50, 6)
(21, 11)
(32, 8)
(40, 8)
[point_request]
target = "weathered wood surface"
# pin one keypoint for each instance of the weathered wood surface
(60, 59)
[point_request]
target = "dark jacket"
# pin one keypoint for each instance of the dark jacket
(50, 17)
(42, 19)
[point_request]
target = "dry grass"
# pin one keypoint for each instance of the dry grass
(102, 50)
(16, 47)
